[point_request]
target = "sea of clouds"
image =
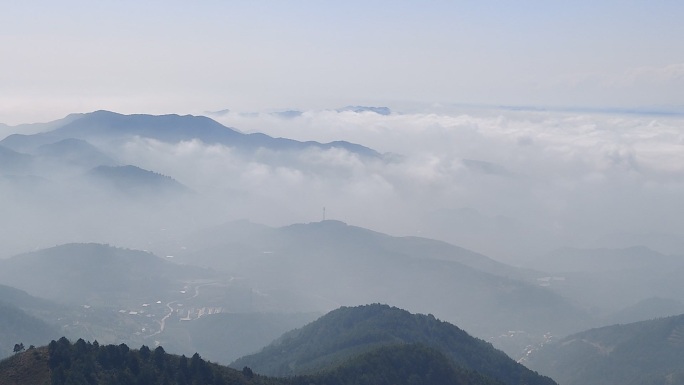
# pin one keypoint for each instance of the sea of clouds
(509, 183)
(512, 184)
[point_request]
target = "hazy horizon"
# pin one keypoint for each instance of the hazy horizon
(170, 57)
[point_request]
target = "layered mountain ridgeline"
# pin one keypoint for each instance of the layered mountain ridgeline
(623, 285)
(27, 319)
(344, 333)
(336, 264)
(664, 243)
(245, 240)
(105, 126)
(134, 180)
(19, 298)
(14, 162)
(647, 352)
(649, 308)
(63, 179)
(95, 143)
(117, 295)
(94, 274)
(75, 152)
(18, 327)
(63, 362)
(572, 260)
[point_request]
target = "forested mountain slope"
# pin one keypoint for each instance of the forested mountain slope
(346, 332)
(63, 362)
(647, 352)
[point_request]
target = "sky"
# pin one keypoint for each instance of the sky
(180, 57)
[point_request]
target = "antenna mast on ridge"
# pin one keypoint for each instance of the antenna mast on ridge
(323, 212)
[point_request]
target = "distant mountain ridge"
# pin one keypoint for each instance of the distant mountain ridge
(92, 273)
(339, 264)
(132, 179)
(75, 152)
(571, 259)
(166, 128)
(13, 161)
(615, 279)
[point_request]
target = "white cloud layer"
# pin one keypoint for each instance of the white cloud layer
(511, 184)
(508, 183)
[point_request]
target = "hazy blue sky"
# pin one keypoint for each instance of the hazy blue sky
(179, 56)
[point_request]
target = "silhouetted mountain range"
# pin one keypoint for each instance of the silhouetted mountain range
(105, 126)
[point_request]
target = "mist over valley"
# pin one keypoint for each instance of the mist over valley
(182, 232)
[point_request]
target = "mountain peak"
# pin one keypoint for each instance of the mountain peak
(349, 331)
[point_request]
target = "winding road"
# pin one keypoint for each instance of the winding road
(162, 322)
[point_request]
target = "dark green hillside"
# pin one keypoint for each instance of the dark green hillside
(403, 365)
(346, 332)
(66, 363)
(647, 352)
(63, 362)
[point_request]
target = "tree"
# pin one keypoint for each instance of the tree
(159, 355)
(145, 352)
(247, 372)
(19, 347)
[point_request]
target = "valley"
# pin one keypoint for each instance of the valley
(151, 260)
